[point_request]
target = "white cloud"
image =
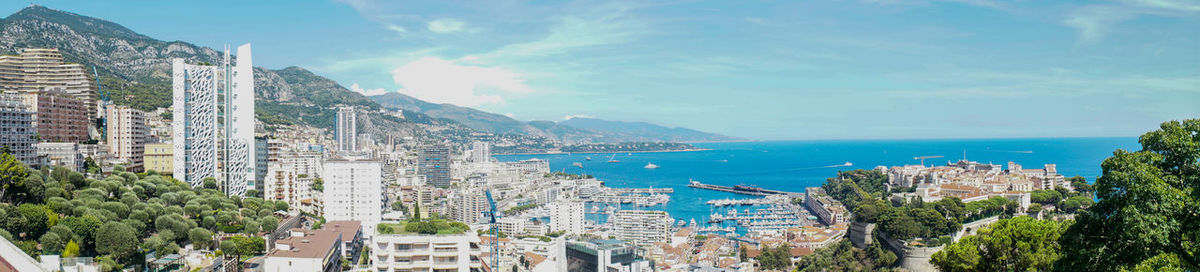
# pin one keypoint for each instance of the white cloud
(446, 25)
(396, 28)
(571, 116)
(1093, 22)
(368, 92)
(444, 81)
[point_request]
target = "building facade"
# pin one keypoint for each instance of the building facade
(481, 152)
(16, 129)
(603, 256)
(642, 227)
(127, 136)
(354, 191)
(567, 216)
(205, 148)
(434, 164)
(58, 117)
(421, 252)
(34, 70)
(346, 133)
(158, 158)
(61, 154)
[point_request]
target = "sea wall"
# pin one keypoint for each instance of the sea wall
(911, 258)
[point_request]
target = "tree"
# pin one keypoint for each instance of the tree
(71, 250)
(269, 223)
(1017, 244)
(229, 247)
(1034, 209)
(12, 174)
(200, 237)
(116, 239)
(210, 183)
(318, 185)
(84, 227)
(1147, 208)
(776, 258)
(51, 242)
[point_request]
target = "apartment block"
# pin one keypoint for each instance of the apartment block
(158, 158)
(642, 227)
(434, 163)
(16, 129)
(306, 251)
(127, 136)
(34, 70)
(61, 154)
(567, 216)
(354, 191)
(420, 252)
(58, 117)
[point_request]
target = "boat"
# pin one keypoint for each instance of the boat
(847, 164)
(651, 166)
(587, 158)
(576, 164)
(613, 159)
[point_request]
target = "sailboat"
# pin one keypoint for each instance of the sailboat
(576, 164)
(613, 159)
(650, 165)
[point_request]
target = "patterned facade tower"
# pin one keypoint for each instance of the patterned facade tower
(194, 89)
(239, 125)
(203, 147)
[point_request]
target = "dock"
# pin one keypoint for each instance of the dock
(739, 189)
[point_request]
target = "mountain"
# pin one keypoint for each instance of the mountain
(644, 132)
(135, 69)
(575, 130)
(486, 121)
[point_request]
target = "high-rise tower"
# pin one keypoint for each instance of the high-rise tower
(205, 147)
(347, 129)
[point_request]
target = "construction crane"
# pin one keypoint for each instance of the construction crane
(922, 158)
(101, 124)
(492, 214)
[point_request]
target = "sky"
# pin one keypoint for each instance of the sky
(765, 70)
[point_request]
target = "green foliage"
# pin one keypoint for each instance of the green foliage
(1017, 244)
(71, 249)
(518, 209)
(1046, 197)
(843, 256)
(12, 176)
(142, 96)
(1076, 203)
(776, 258)
(200, 237)
(318, 185)
(1080, 184)
(116, 239)
(1147, 208)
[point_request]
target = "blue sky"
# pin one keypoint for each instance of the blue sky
(757, 69)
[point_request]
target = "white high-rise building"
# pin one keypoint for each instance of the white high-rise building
(347, 129)
(203, 147)
(423, 252)
(354, 192)
(480, 152)
(127, 135)
(567, 216)
(642, 227)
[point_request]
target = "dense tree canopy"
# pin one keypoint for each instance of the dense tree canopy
(1017, 244)
(1147, 214)
(843, 256)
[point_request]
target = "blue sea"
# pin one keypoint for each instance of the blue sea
(794, 165)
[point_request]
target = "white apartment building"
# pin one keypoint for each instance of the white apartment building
(127, 135)
(642, 227)
(567, 216)
(354, 191)
(468, 206)
(37, 69)
(480, 152)
(282, 183)
(200, 94)
(61, 154)
(419, 252)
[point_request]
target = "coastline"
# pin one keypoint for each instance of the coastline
(647, 151)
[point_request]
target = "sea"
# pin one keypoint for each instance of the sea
(793, 165)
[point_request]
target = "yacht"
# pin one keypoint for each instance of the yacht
(847, 164)
(576, 164)
(651, 166)
(587, 158)
(613, 159)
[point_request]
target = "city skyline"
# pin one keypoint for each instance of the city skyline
(773, 71)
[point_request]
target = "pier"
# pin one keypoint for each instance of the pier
(642, 190)
(739, 189)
